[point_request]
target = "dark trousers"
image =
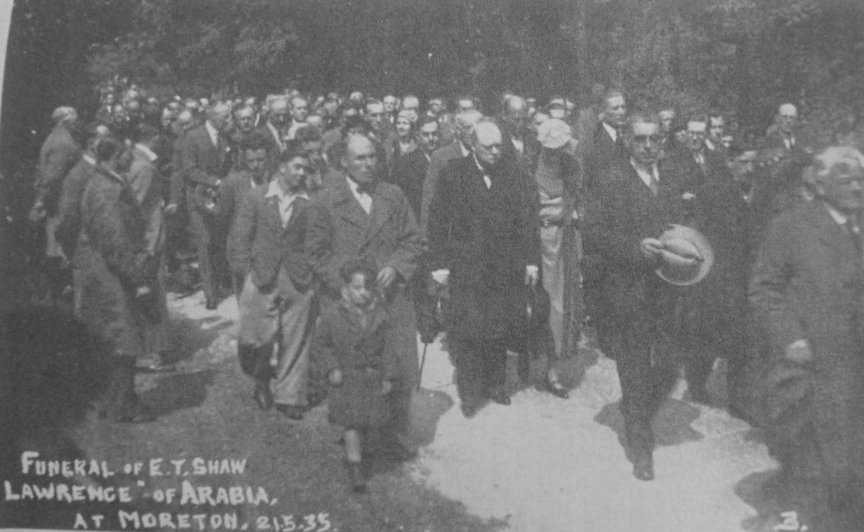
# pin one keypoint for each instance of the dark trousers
(210, 239)
(481, 367)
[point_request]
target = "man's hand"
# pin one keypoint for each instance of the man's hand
(799, 352)
(336, 377)
(532, 275)
(651, 248)
(171, 208)
(386, 277)
(441, 276)
(386, 387)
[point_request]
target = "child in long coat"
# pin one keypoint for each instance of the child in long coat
(350, 347)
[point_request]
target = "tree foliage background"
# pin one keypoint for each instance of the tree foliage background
(739, 56)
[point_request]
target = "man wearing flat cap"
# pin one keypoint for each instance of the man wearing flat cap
(806, 291)
(634, 202)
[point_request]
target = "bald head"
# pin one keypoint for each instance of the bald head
(516, 105)
(361, 158)
(787, 118)
(465, 122)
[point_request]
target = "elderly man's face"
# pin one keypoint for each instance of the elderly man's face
(360, 159)
(279, 113)
(644, 142)
(615, 113)
(787, 119)
(488, 145)
(246, 120)
(844, 187)
(696, 135)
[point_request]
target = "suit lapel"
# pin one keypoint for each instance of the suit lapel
(347, 206)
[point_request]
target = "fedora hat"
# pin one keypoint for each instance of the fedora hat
(687, 256)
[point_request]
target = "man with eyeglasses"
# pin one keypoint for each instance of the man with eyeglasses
(634, 201)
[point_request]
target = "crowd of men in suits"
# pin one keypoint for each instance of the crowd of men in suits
(507, 230)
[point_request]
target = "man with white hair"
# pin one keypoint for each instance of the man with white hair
(58, 155)
(484, 244)
(806, 290)
(205, 162)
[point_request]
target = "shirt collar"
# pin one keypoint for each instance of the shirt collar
(643, 169)
(838, 216)
(710, 145)
(146, 151)
(611, 131)
(274, 190)
(465, 151)
(212, 131)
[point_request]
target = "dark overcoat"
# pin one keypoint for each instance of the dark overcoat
(622, 211)
(340, 230)
(203, 164)
(808, 283)
(114, 261)
(485, 237)
(365, 358)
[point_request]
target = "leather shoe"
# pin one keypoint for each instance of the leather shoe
(263, 397)
(355, 475)
(500, 397)
(469, 411)
(557, 389)
(291, 411)
(643, 466)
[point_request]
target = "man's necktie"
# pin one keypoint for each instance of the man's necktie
(652, 183)
(619, 139)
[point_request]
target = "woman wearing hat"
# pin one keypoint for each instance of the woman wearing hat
(558, 180)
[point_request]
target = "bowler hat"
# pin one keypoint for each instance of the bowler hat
(687, 256)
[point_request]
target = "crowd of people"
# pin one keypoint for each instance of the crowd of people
(347, 226)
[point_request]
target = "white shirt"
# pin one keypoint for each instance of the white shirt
(611, 130)
(363, 198)
(292, 131)
(213, 132)
(789, 141)
(280, 142)
(466, 151)
(519, 146)
(645, 174)
(286, 201)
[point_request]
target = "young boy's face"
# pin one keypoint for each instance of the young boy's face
(357, 292)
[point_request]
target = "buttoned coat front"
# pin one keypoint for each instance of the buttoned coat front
(340, 230)
(485, 237)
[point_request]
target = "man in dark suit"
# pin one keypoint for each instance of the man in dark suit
(459, 148)
(634, 201)
(485, 245)
(205, 163)
(607, 144)
(806, 290)
(358, 215)
(713, 314)
(276, 302)
(521, 144)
